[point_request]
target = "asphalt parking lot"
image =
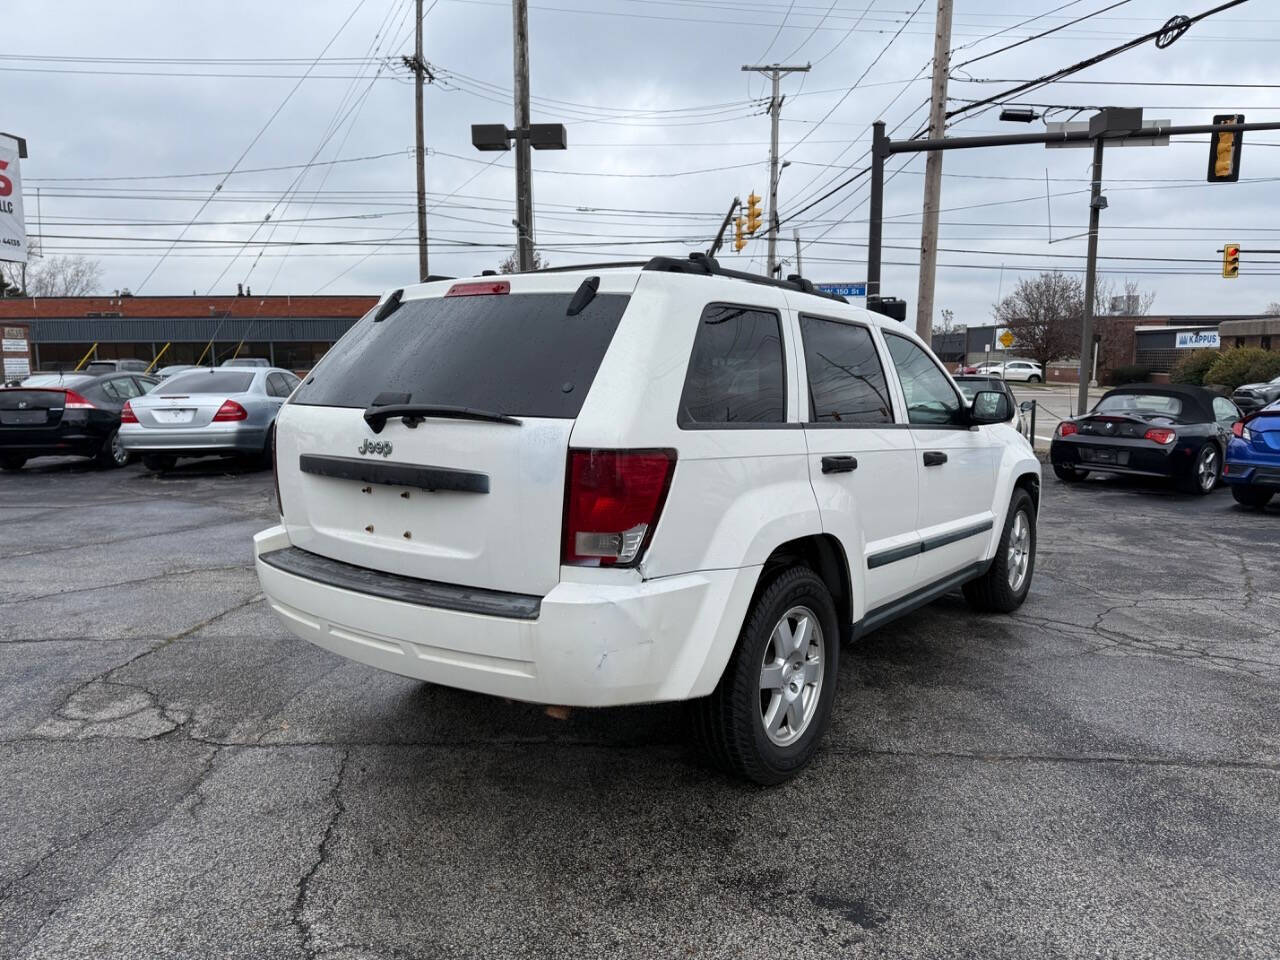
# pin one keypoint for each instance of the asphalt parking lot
(1098, 775)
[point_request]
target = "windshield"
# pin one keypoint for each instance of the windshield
(516, 354)
(1150, 403)
(56, 380)
(206, 381)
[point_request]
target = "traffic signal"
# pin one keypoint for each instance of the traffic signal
(754, 217)
(739, 237)
(1224, 151)
(1231, 260)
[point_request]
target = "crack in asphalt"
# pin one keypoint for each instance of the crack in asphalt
(297, 912)
(82, 544)
(226, 568)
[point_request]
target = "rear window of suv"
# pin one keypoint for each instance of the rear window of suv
(515, 354)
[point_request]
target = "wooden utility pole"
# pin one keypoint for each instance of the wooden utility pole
(524, 160)
(1096, 203)
(775, 74)
(796, 234)
(419, 72)
(933, 172)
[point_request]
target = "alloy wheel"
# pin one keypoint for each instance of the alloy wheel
(1207, 468)
(791, 676)
(1019, 553)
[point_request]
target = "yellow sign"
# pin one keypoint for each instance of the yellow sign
(1006, 339)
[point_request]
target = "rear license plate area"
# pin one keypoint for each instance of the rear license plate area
(23, 417)
(1104, 456)
(174, 416)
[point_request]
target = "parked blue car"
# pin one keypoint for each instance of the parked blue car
(1253, 457)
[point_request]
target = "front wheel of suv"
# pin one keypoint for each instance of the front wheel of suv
(1005, 584)
(772, 705)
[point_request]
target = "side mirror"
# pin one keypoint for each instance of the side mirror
(1027, 406)
(990, 406)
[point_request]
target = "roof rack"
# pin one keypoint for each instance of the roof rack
(700, 263)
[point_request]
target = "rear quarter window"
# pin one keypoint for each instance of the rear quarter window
(735, 374)
(514, 354)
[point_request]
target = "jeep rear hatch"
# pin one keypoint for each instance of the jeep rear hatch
(432, 443)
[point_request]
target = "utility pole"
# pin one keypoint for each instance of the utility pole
(524, 160)
(796, 234)
(1096, 203)
(775, 73)
(933, 171)
(419, 71)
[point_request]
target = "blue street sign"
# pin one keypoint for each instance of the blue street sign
(843, 289)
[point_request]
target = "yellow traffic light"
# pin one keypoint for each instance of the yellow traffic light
(739, 238)
(754, 216)
(1231, 260)
(1224, 151)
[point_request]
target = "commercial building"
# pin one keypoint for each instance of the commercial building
(291, 332)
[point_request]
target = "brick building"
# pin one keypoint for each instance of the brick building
(289, 331)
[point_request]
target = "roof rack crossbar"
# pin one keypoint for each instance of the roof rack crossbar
(701, 264)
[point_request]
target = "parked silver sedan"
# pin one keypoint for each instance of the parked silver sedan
(204, 412)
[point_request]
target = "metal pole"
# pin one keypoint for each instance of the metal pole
(718, 242)
(879, 151)
(775, 108)
(419, 68)
(933, 171)
(524, 163)
(799, 272)
(1090, 276)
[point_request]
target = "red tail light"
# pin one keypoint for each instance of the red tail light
(1237, 428)
(1160, 435)
(76, 402)
(484, 288)
(127, 415)
(612, 502)
(1066, 429)
(230, 410)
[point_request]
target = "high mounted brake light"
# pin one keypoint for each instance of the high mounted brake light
(612, 502)
(483, 288)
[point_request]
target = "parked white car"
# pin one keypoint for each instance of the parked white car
(611, 485)
(1026, 371)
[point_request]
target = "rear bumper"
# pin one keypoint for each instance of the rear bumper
(1249, 466)
(1138, 457)
(214, 438)
(589, 644)
(69, 439)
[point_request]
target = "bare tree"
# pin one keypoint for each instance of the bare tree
(512, 264)
(1273, 309)
(1129, 300)
(1043, 313)
(52, 276)
(947, 323)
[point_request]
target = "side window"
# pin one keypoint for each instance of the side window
(1224, 411)
(275, 385)
(846, 382)
(290, 382)
(930, 396)
(735, 372)
(121, 388)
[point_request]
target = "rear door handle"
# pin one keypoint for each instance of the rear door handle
(839, 464)
(934, 458)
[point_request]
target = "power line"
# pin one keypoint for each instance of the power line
(1042, 34)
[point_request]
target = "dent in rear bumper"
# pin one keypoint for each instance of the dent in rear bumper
(593, 644)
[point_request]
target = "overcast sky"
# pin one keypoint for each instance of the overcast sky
(664, 129)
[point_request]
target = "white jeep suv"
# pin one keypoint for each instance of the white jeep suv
(615, 485)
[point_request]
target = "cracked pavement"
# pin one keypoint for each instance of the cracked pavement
(1098, 775)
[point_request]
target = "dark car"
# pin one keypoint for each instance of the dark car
(1254, 396)
(72, 414)
(1177, 431)
(1020, 419)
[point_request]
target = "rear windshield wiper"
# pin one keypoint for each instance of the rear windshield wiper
(414, 413)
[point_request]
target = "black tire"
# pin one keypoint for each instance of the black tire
(159, 462)
(267, 457)
(1253, 497)
(112, 455)
(1069, 474)
(995, 591)
(1195, 481)
(729, 725)
(1033, 379)
(12, 462)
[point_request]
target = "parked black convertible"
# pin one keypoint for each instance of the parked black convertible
(1148, 429)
